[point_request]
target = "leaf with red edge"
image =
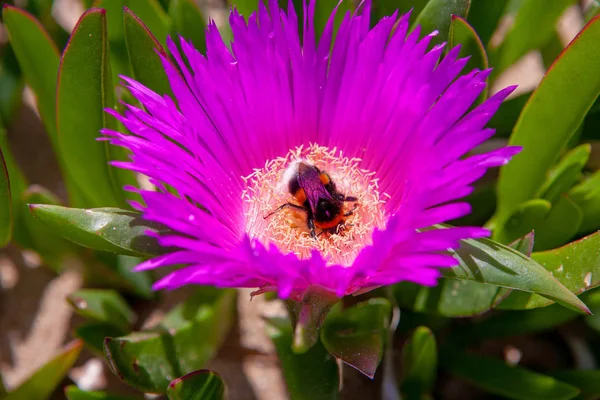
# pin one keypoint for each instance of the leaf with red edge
(144, 50)
(198, 385)
(357, 335)
(549, 119)
(84, 90)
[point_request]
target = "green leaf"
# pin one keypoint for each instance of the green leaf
(462, 33)
(566, 173)
(45, 380)
(39, 67)
(93, 335)
(357, 335)
(310, 375)
(72, 392)
(497, 377)
(486, 261)
(587, 196)
(484, 16)
(419, 364)
(188, 22)
(533, 27)
(588, 381)
(323, 10)
(142, 48)
(528, 215)
(108, 229)
(197, 385)
(53, 249)
(524, 245)
(42, 9)
(307, 316)
(554, 111)
(437, 15)
(103, 305)
(561, 224)
(514, 323)
(11, 85)
(6, 218)
(384, 8)
(449, 298)
(576, 266)
(84, 90)
(185, 341)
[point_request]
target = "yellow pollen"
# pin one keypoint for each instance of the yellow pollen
(267, 189)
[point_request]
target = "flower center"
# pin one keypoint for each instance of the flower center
(314, 199)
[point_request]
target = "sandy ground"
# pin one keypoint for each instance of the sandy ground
(35, 320)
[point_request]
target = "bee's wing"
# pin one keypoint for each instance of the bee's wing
(314, 189)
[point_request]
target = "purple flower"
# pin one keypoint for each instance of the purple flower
(372, 112)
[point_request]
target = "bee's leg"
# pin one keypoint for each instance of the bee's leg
(281, 207)
(311, 227)
(350, 198)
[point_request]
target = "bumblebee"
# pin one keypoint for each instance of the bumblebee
(317, 196)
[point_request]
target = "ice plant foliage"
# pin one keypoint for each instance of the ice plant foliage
(385, 117)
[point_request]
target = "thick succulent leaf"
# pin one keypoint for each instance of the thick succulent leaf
(587, 197)
(437, 15)
(384, 8)
(310, 375)
(486, 261)
(554, 111)
(142, 48)
(566, 173)
(419, 364)
(39, 67)
(35, 235)
(462, 33)
(45, 380)
(11, 85)
(197, 385)
(514, 323)
(323, 11)
(84, 90)
(457, 298)
(149, 11)
(108, 229)
(554, 224)
(93, 335)
(588, 381)
(484, 16)
(449, 298)
(512, 382)
(532, 28)
(185, 341)
(576, 266)
(560, 225)
(6, 217)
(527, 216)
(188, 21)
(103, 305)
(72, 392)
(357, 335)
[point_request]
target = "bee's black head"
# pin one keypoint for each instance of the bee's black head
(327, 210)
